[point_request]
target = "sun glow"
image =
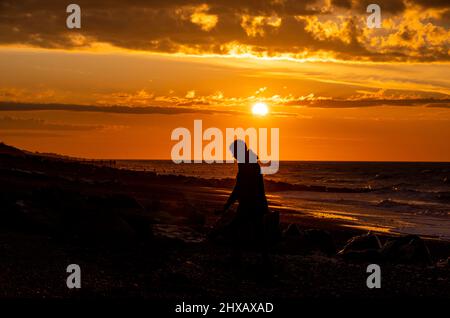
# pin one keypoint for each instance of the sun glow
(260, 109)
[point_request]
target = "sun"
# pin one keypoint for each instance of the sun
(260, 109)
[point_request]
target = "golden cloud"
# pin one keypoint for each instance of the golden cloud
(256, 25)
(203, 19)
(413, 30)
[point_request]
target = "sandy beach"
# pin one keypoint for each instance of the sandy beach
(143, 235)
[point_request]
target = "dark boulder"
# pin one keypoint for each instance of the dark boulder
(362, 248)
(292, 231)
(444, 263)
(362, 242)
(409, 249)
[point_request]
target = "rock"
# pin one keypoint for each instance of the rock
(443, 263)
(409, 249)
(362, 242)
(362, 248)
(292, 231)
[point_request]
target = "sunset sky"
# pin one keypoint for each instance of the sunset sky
(136, 70)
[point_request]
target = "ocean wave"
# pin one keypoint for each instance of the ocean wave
(270, 185)
(389, 203)
(418, 208)
(285, 186)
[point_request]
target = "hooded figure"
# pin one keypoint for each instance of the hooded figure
(249, 187)
(248, 223)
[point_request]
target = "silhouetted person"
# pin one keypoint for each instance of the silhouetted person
(249, 192)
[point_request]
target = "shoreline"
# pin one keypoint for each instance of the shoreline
(216, 190)
(141, 235)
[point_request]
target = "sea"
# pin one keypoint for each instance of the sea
(397, 197)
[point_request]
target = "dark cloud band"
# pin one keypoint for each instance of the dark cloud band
(7, 106)
(270, 27)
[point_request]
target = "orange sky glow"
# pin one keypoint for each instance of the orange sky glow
(337, 90)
